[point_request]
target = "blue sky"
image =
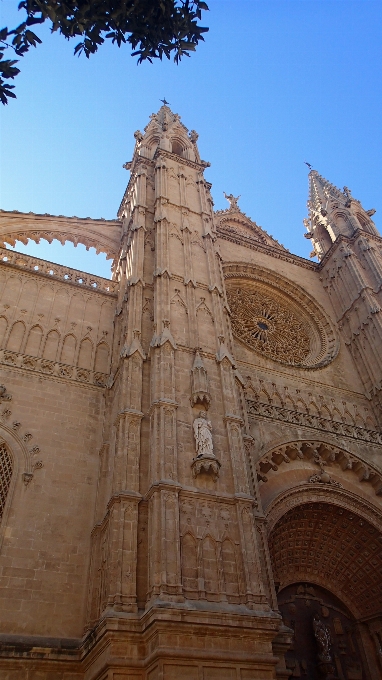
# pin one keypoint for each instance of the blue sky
(275, 83)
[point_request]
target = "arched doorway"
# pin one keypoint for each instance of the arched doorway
(327, 564)
(325, 640)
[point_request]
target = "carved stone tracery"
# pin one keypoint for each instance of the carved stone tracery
(268, 326)
(293, 330)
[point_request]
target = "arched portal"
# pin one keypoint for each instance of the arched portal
(325, 640)
(327, 564)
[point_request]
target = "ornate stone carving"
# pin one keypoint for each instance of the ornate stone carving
(103, 235)
(257, 408)
(208, 464)
(330, 545)
(203, 436)
(324, 641)
(323, 478)
(323, 455)
(324, 342)
(54, 368)
(232, 200)
(205, 460)
(268, 326)
(200, 393)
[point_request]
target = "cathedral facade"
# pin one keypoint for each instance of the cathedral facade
(191, 452)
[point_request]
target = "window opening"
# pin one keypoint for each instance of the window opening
(6, 469)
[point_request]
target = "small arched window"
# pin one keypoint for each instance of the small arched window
(177, 148)
(6, 469)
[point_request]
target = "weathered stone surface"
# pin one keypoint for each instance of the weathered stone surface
(180, 442)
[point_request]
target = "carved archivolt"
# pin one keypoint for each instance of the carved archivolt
(326, 457)
(334, 546)
(278, 319)
(17, 455)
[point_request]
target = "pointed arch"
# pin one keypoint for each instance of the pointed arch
(6, 471)
(85, 354)
(21, 462)
(189, 562)
(348, 416)
(51, 345)
(34, 341)
(210, 565)
(3, 329)
(101, 364)
(176, 147)
(68, 349)
(301, 405)
(16, 337)
(264, 395)
(230, 567)
(276, 398)
(337, 415)
(206, 327)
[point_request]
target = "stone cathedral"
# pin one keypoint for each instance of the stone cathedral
(191, 452)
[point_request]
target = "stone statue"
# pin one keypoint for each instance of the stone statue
(203, 436)
(322, 635)
(232, 201)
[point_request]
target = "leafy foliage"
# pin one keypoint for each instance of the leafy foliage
(153, 28)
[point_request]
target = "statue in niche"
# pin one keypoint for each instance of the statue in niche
(203, 436)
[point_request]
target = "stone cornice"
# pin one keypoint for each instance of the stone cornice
(272, 251)
(180, 160)
(269, 411)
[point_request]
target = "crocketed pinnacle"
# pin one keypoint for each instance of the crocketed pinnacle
(321, 192)
(164, 118)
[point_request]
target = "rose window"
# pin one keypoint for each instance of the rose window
(268, 325)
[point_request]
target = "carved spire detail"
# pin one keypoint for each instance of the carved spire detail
(332, 213)
(200, 393)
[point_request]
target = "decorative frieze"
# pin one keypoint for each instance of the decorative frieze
(53, 369)
(269, 411)
(324, 456)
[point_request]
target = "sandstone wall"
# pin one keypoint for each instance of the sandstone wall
(54, 359)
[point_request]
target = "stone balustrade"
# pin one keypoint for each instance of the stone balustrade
(57, 271)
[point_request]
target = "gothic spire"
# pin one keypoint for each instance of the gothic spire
(320, 191)
(332, 213)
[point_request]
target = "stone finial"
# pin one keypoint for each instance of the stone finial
(232, 200)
